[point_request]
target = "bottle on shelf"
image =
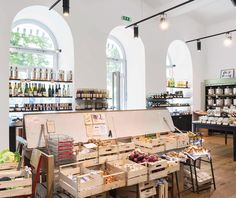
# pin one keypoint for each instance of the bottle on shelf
(51, 75)
(50, 91)
(26, 91)
(53, 91)
(64, 91)
(46, 74)
(16, 73)
(68, 90)
(45, 94)
(35, 93)
(59, 91)
(15, 92)
(56, 91)
(34, 74)
(30, 90)
(40, 74)
(10, 90)
(20, 90)
(11, 73)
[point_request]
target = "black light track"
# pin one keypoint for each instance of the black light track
(58, 1)
(234, 2)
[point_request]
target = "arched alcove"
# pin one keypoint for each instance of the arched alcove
(134, 67)
(180, 70)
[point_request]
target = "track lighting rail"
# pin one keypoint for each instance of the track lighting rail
(160, 13)
(210, 36)
(53, 5)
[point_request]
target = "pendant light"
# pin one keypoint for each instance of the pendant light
(199, 45)
(136, 31)
(66, 7)
(228, 39)
(164, 25)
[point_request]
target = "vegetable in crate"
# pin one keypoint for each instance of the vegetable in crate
(7, 156)
(140, 157)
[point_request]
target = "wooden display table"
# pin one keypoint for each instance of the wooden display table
(197, 125)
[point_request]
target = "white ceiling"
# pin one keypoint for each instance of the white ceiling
(205, 11)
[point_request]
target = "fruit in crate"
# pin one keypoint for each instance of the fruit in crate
(140, 157)
(102, 142)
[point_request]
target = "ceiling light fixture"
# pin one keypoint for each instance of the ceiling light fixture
(228, 39)
(160, 13)
(164, 25)
(199, 45)
(65, 5)
(136, 31)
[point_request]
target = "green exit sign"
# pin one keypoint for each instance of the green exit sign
(126, 18)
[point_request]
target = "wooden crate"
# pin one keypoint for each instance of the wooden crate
(8, 166)
(157, 170)
(147, 189)
(101, 195)
(182, 140)
(134, 175)
(125, 149)
(79, 181)
(172, 167)
(114, 178)
(147, 142)
(108, 153)
(19, 185)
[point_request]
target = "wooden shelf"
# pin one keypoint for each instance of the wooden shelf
(39, 97)
(220, 95)
(92, 99)
(178, 87)
(40, 111)
(157, 99)
(31, 80)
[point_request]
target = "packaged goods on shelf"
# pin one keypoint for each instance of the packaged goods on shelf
(135, 173)
(150, 143)
(61, 146)
(15, 183)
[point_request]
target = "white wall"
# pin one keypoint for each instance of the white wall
(218, 56)
(90, 23)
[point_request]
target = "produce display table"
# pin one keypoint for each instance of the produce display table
(197, 125)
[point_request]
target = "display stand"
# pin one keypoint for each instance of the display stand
(193, 165)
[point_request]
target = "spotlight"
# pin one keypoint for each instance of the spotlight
(66, 7)
(136, 31)
(228, 39)
(164, 25)
(199, 45)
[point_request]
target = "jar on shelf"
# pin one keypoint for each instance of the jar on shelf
(210, 101)
(219, 91)
(234, 90)
(228, 91)
(227, 101)
(211, 91)
(219, 102)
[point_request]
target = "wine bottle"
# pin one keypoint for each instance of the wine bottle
(44, 91)
(11, 73)
(26, 91)
(53, 92)
(40, 74)
(10, 90)
(49, 91)
(46, 74)
(59, 91)
(16, 73)
(34, 74)
(56, 91)
(51, 75)
(15, 90)
(39, 90)
(64, 91)
(35, 90)
(30, 90)
(68, 91)
(20, 91)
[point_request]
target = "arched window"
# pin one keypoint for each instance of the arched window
(116, 66)
(32, 44)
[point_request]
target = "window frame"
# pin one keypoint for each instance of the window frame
(54, 52)
(123, 62)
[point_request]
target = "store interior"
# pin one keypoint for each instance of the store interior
(148, 85)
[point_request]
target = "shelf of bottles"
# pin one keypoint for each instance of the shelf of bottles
(91, 99)
(40, 89)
